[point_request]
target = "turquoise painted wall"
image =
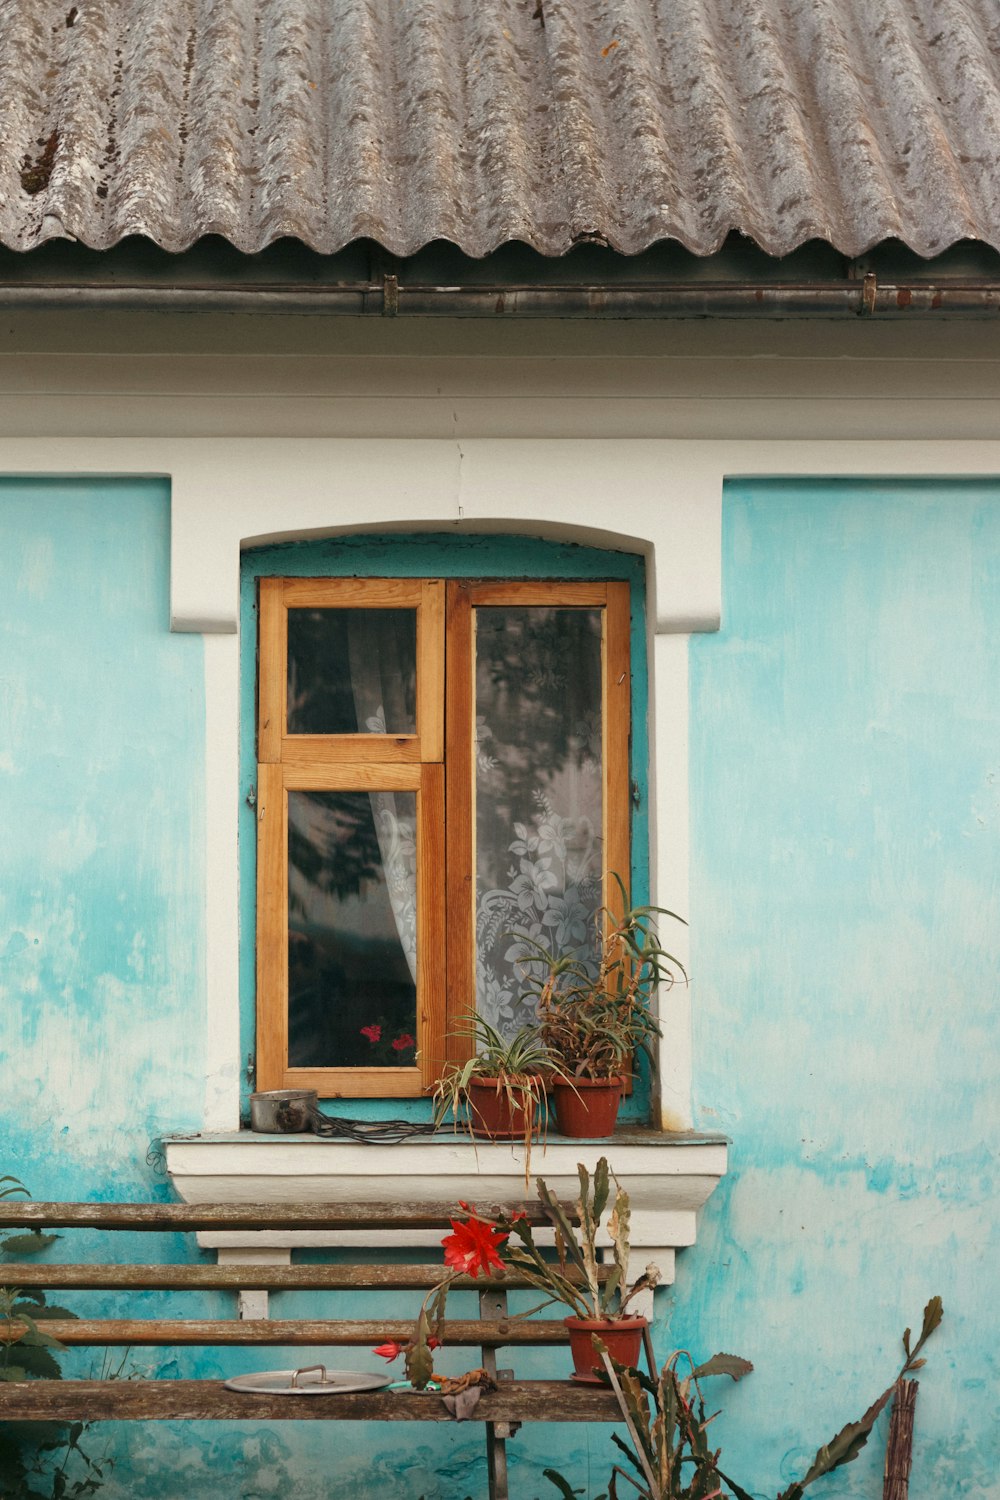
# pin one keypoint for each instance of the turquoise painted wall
(102, 990)
(844, 906)
(846, 933)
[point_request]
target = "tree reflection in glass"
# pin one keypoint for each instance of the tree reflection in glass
(352, 671)
(351, 929)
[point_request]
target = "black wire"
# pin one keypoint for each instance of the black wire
(374, 1132)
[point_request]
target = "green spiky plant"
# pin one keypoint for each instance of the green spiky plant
(594, 1296)
(519, 1065)
(21, 1311)
(668, 1451)
(37, 1453)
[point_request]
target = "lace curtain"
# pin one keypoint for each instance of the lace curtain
(539, 818)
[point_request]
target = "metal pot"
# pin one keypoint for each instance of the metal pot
(283, 1111)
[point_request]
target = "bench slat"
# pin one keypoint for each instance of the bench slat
(267, 1278)
(167, 1400)
(145, 1332)
(182, 1216)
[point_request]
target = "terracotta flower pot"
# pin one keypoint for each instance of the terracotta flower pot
(493, 1115)
(623, 1337)
(588, 1107)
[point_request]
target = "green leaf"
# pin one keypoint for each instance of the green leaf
(621, 1443)
(13, 1372)
(16, 1186)
(848, 1443)
(27, 1244)
(38, 1362)
(561, 1484)
(554, 1209)
(583, 1205)
(436, 1309)
(618, 1229)
(610, 1286)
(738, 1491)
(601, 1188)
(723, 1364)
(52, 1310)
(419, 1360)
(933, 1313)
(31, 1294)
(40, 1437)
(635, 1410)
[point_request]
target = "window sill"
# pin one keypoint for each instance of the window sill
(669, 1177)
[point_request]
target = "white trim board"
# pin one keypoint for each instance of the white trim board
(661, 497)
(668, 1182)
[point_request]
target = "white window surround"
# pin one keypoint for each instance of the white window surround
(658, 497)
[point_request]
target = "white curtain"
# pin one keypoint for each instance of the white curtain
(381, 667)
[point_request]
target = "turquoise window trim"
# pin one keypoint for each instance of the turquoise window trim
(425, 555)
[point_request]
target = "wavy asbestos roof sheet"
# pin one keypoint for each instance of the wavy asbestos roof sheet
(482, 121)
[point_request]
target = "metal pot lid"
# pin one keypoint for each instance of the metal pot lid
(315, 1380)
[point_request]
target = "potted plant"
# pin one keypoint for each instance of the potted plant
(598, 1297)
(499, 1091)
(594, 1013)
(599, 1304)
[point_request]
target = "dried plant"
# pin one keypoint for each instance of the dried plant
(668, 1452)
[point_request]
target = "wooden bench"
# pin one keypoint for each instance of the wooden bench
(502, 1410)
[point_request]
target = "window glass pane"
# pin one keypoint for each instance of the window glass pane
(539, 828)
(352, 929)
(352, 671)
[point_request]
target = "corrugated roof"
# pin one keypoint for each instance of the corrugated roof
(482, 121)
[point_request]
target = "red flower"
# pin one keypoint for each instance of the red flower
(402, 1042)
(473, 1247)
(373, 1033)
(392, 1350)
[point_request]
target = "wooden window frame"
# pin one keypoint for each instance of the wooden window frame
(438, 764)
(463, 598)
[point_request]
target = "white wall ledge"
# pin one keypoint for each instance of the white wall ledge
(669, 1177)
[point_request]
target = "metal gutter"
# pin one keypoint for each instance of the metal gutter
(392, 298)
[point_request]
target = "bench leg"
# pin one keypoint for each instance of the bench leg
(254, 1304)
(493, 1304)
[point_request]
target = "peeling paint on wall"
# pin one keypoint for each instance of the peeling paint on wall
(844, 906)
(102, 993)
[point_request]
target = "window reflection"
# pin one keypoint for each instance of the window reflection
(351, 929)
(352, 671)
(539, 828)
